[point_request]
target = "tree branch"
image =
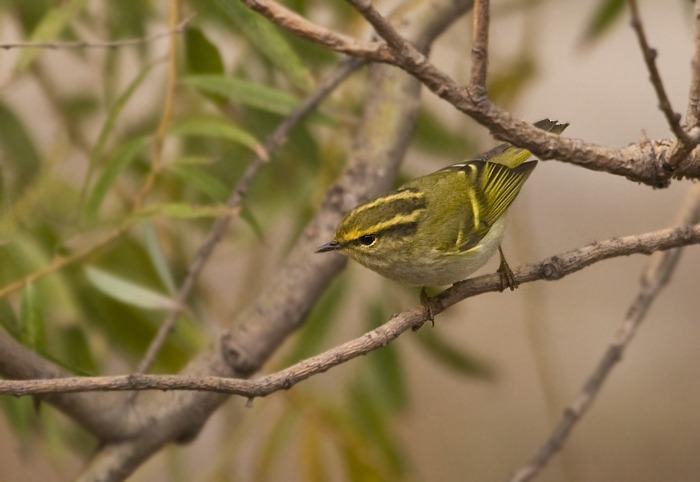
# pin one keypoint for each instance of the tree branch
(656, 276)
(672, 117)
(645, 162)
(98, 45)
(663, 244)
(692, 117)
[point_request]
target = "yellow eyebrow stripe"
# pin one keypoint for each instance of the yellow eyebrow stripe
(399, 219)
(389, 198)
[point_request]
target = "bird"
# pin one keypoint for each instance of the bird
(440, 228)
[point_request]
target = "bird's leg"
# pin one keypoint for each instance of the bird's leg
(428, 303)
(506, 274)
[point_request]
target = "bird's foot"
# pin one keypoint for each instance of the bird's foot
(506, 274)
(427, 302)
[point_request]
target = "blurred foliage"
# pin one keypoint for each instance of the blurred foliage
(68, 179)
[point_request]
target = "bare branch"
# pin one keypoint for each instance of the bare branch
(555, 267)
(98, 45)
(693, 114)
(673, 118)
(480, 47)
(273, 141)
(645, 162)
(305, 29)
(656, 276)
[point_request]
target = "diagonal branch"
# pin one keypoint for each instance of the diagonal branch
(555, 267)
(656, 276)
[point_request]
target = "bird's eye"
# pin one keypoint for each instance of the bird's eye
(368, 239)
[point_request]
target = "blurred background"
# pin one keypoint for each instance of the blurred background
(472, 398)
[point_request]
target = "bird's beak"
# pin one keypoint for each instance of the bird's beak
(332, 246)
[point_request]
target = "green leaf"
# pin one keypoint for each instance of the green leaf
(124, 156)
(184, 211)
(201, 180)
(373, 421)
(202, 56)
(155, 253)
(244, 92)
(318, 323)
(249, 218)
(31, 318)
(8, 319)
(128, 292)
(452, 357)
(51, 25)
(385, 366)
(312, 456)
(274, 445)
(76, 351)
(19, 149)
(269, 41)
(108, 126)
(606, 14)
(217, 128)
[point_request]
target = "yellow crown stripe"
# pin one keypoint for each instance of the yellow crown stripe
(399, 219)
(389, 198)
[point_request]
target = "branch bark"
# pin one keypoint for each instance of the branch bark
(662, 245)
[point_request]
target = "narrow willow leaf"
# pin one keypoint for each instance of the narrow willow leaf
(269, 41)
(373, 422)
(128, 292)
(108, 126)
(318, 323)
(31, 320)
(218, 128)
(201, 180)
(244, 92)
(202, 56)
(77, 355)
(50, 27)
(312, 455)
(8, 319)
(19, 149)
(386, 367)
(273, 446)
(606, 14)
(115, 166)
(184, 211)
(452, 357)
(249, 218)
(155, 253)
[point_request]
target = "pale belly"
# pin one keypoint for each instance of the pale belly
(445, 268)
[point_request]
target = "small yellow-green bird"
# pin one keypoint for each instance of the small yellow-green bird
(440, 228)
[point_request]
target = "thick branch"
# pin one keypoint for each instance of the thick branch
(656, 276)
(555, 267)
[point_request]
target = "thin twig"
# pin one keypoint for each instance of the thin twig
(673, 118)
(156, 158)
(82, 44)
(656, 276)
(273, 141)
(480, 46)
(555, 267)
